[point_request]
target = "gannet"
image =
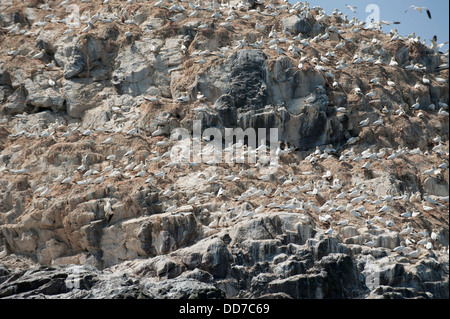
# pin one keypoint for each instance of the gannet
(384, 209)
(393, 62)
(441, 80)
(374, 81)
(434, 236)
(442, 112)
(364, 122)
(39, 55)
(399, 248)
(407, 214)
(371, 243)
(378, 122)
(415, 253)
(371, 94)
(406, 231)
(108, 140)
(86, 132)
(419, 9)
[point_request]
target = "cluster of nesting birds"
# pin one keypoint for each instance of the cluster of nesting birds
(332, 202)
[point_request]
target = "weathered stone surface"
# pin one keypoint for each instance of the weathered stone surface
(81, 95)
(181, 288)
(434, 186)
(94, 204)
(327, 246)
(210, 255)
(249, 77)
(133, 75)
(300, 286)
(338, 278)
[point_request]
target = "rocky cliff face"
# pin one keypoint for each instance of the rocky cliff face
(93, 206)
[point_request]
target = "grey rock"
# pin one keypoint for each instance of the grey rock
(290, 268)
(280, 258)
(43, 96)
(256, 250)
(249, 77)
(210, 255)
(85, 56)
(4, 75)
(387, 292)
(171, 53)
(300, 286)
(269, 226)
(226, 110)
(46, 281)
(388, 240)
(229, 286)
(343, 276)
(439, 290)
(16, 103)
(161, 267)
(198, 274)
(317, 29)
(328, 246)
(402, 56)
(80, 95)
(209, 117)
(133, 73)
(336, 278)
(216, 259)
(348, 231)
(259, 283)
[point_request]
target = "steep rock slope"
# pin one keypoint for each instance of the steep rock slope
(93, 206)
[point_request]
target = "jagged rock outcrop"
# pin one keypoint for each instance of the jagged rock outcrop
(95, 204)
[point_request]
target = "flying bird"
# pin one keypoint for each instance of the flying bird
(420, 9)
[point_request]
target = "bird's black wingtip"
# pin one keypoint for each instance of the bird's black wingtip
(429, 14)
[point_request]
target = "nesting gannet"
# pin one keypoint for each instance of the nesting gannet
(364, 122)
(86, 132)
(407, 214)
(390, 83)
(108, 140)
(378, 122)
(384, 209)
(426, 80)
(67, 180)
(39, 55)
(442, 112)
(393, 62)
(399, 249)
(374, 80)
(441, 80)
